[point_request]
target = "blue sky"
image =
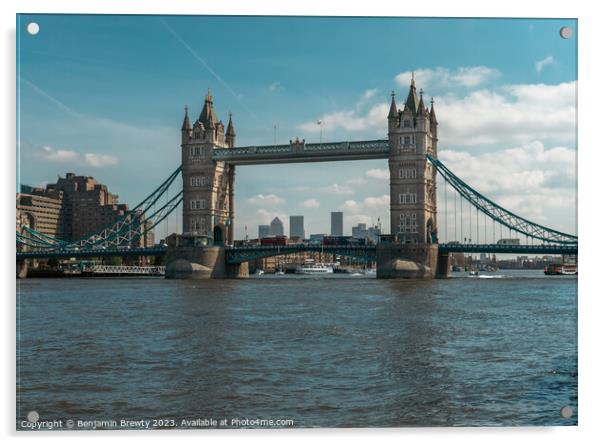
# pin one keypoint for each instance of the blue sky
(104, 96)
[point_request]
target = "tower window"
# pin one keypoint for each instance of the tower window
(196, 181)
(406, 123)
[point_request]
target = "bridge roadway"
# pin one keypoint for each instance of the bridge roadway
(299, 151)
(239, 254)
(92, 253)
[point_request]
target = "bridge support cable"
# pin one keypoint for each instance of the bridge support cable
(445, 210)
(455, 217)
(462, 238)
(469, 224)
(499, 214)
(127, 228)
(478, 226)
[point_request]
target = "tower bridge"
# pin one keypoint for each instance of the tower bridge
(209, 157)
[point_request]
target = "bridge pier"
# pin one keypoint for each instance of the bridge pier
(443, 265)
(22, 268)
(188, 258)
(415, 260)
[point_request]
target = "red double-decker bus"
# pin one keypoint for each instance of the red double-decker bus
(278, 240)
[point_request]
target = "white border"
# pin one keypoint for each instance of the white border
(589, 154)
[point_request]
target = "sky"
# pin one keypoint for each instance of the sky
(104, 96)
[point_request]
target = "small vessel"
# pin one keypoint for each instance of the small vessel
(456, 268)
(560, 269)
(314, 269)
(259, 272)
(279, 272)
(473, 273)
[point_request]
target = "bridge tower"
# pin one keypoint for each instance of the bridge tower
(414, 252)
(208, 186)
(413, 185)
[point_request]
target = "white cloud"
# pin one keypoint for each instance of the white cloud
(96, 160)
(350, 120)
(378, 173)
(310, 204)
(338, 189)
(514, 114)
(61, 156)
(529, 180)
(367, 211)
(265, 200)
(468, 77)
(371, 205)
(50, 154)
(369, 94)
(355, 181)
(510, 114)
(540, 64)
(276, 86)
(265, 216)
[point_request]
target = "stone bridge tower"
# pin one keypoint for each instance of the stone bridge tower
(208, 186)
(413, 186)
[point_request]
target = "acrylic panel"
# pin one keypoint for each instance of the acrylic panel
(292, 222)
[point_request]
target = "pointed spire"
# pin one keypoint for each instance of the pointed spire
(421, 110)
(393, 109)
(186, 123)
(412, 100)
(433, 116)
(230, 131)
(208, 116)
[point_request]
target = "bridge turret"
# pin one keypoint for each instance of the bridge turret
(230, 133)
(433, 127)
(422, 126)
(411, 103)
(186, 127)
(393, 116)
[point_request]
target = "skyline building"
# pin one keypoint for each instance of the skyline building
(276, 227)
(73, 208)
(336, 223)
(296, 226)
(361, 231)
(263, 230)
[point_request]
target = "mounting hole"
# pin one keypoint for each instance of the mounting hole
(566, 412)
(566, 32)
(33, 28)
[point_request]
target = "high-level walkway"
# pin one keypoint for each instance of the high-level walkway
(299, 151)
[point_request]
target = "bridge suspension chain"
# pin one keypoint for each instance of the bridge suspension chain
(499, 214)
(121, 232)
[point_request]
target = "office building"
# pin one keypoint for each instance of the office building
(263, 231)
(276, 227)
(73, 208)
(296, 227)
(336, 223)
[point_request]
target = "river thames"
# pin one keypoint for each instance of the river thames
(338, 351)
